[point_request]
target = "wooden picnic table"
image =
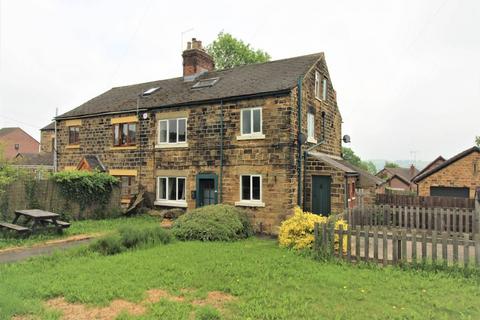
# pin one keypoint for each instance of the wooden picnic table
(40, 219)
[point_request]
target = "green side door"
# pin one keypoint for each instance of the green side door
(321, 195)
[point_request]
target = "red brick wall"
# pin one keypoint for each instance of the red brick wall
(26, 143)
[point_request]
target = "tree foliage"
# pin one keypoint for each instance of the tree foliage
(389, 164)
(228, 52)
(350, 156)
(477, 141)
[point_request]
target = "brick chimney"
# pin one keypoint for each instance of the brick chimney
(196, 60)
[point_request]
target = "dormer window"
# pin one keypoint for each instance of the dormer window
(205, 83)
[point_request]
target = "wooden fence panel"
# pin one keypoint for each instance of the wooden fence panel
(397, 245)
(418, 201)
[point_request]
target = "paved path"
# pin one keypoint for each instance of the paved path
(19, 254)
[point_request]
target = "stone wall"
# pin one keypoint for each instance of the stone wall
(460, 173)
(47, 140)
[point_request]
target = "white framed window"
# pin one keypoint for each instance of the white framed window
(172, 132)
(251, 126)
(171, 191)
(317, 85)
(311, 127)
(250, 191)
(324, 88)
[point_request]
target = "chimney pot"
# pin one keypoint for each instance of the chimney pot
(196, 60)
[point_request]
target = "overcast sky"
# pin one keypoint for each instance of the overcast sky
(407, 73)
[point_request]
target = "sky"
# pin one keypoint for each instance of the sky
(407, 73)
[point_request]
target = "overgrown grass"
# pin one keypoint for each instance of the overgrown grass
(80, 227)
(268, 283)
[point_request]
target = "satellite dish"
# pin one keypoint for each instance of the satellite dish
(145, 116)
(346, 138)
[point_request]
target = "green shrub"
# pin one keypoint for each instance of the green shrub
(213, 223)
(85, 187)
(134, 236)
(108, 245)
(207, 313)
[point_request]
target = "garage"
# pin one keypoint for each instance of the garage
(457, 192)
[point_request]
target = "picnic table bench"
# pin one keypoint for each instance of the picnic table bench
(38, 219)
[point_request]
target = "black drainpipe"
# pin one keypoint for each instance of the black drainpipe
(221, 152)
(299, 142)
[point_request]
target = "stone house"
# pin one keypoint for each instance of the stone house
(234, 136)
(15, 140)
(458, 176)
(47, 138)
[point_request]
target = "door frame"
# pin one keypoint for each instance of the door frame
(311, 192)
(201, 176)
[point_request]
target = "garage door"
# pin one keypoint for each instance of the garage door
(449, 192)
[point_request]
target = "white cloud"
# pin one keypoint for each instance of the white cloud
(407, 73)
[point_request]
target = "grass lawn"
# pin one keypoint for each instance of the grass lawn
(77, 228)
(266, 281)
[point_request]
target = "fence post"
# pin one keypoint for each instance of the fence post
(315, 235)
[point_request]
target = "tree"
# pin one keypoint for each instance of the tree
(350, 156)
(389, 164)
(477, 141)
(228, 52)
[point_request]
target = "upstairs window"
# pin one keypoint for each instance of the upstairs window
(205, 83)
(310, 127)
(124, 134)
(172, 131)
(324, 88)
(251, 121)
(74, 135)
(317, 85)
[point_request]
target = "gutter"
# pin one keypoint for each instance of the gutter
(191, 103)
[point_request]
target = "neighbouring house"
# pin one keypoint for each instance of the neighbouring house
(15, 140)
(365, 188)
(47, 138)
(458, 176)
(38, 163)
(219, 136)
(398, 180)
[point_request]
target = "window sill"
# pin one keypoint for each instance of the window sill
(171, 203)
(249, 203)
(73, 146)
(172, 145)
(124, 148)
(257, 136)
(311, 140)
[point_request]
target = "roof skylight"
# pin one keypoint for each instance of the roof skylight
(150, 91)
(205, 83)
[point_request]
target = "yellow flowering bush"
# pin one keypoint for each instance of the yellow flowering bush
(297, 231)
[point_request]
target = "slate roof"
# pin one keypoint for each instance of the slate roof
(446, 163)
(365, 179)
(34, 159)
(403, 173)
(241, 81)
(337, 163)
(431, 165)
(50, 126)
(94, 163)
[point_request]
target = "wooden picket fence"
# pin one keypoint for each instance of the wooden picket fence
(459, 220)
(387, 245)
